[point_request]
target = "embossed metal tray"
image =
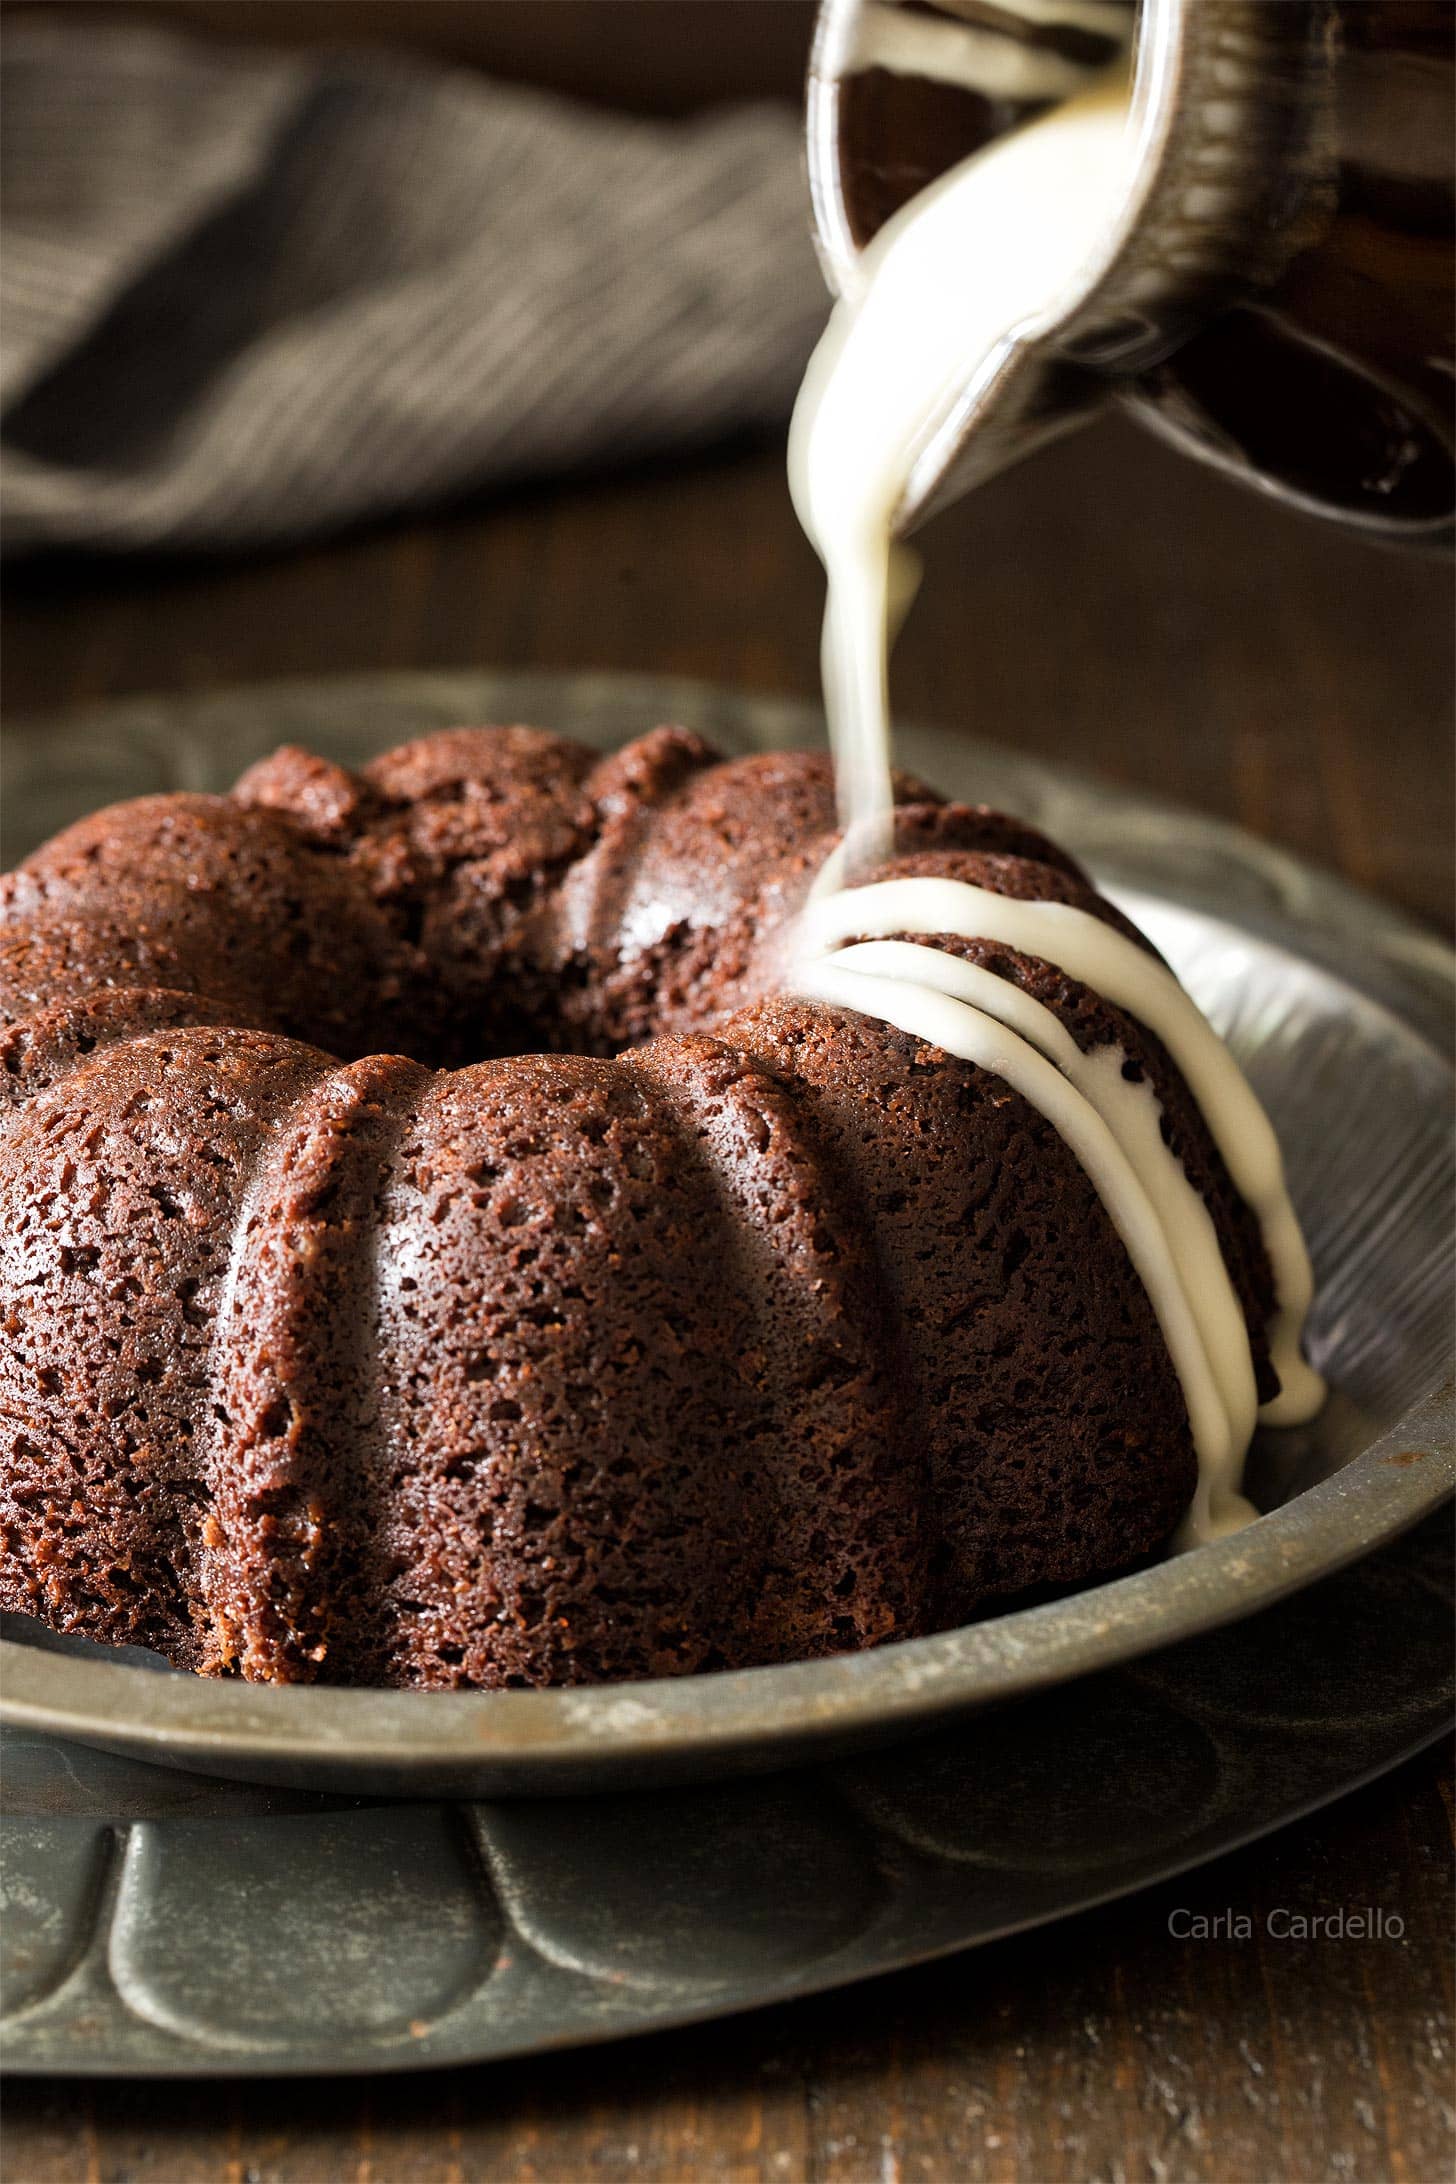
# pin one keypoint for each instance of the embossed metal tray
(1337, 1008)
(161, 1923)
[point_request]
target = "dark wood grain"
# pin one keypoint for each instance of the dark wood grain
(1107, 606)
(1104, 2051)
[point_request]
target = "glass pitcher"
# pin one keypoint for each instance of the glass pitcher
(1280, 302)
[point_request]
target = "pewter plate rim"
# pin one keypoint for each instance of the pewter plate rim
(742, 1720)
(695, 1728)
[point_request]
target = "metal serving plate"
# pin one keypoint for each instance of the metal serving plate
(1337, 1008)
(159, 1922)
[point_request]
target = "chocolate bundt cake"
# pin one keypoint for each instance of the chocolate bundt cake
(450, 1236)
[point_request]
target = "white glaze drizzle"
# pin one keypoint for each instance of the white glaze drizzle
(996, 253)
(992, 1024)
(1131, 1111)
(921, 1006)
(993, 254)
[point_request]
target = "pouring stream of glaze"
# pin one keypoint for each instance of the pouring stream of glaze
(999, 252)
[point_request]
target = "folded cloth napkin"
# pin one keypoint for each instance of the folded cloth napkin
(247, 296)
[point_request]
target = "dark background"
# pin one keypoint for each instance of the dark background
(1109, 606)
(651, 56)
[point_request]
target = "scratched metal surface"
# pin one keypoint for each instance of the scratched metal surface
(157, 1920)
(1362, 1100)
(160, 1922)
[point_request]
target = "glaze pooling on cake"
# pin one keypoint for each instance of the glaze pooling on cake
(1164, 1225)
(1110, 1127)
(1114, 966)
(344, 1341)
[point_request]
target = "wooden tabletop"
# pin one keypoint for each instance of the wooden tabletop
(1110, 606)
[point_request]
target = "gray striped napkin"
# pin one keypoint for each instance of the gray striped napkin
(247, 296)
